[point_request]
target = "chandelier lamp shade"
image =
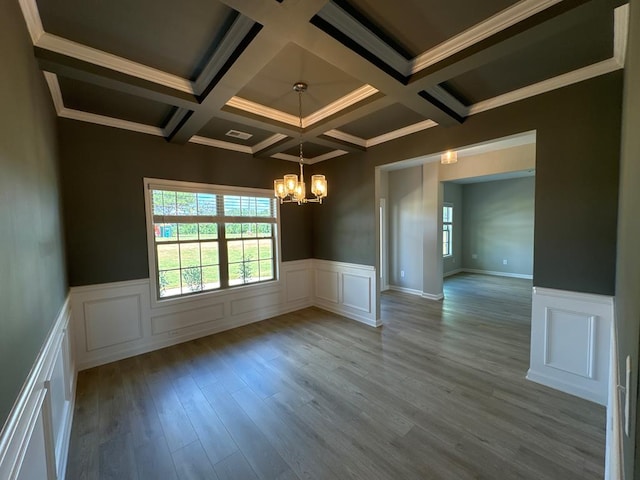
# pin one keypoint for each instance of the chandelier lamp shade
(290, 188)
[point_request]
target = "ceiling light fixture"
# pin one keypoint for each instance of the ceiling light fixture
(291, 190)
(449, 157)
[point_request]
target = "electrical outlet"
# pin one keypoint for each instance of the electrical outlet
(401, 273)
(504, 261)
(474, 256)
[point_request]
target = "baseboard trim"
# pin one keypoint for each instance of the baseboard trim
(410, 291)
(497, 274)
(419, 293)
(350, 315)
(452, 272)
(431, 296)
(563, 386)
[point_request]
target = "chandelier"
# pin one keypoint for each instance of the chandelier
(291, 190)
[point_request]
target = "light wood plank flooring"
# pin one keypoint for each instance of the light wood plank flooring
(437, 393)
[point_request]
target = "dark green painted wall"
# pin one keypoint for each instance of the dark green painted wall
(33, 286)
(576, 193)
(102, 174)
(498, 225)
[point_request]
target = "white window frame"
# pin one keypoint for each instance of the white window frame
(177, 185)
(450, 254)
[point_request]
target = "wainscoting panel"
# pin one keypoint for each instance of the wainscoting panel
(571, 341)
(118, 320)
(563, 331)
(347, 289)
(255, 302)
(327, 285)
(186, 318)
(112, 321)
(298, 284)
(355, 292)
(35, 439)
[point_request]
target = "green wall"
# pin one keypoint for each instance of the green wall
(405, 217)
(32, 280)
(498, 225)
(576, 192)
(102, 174)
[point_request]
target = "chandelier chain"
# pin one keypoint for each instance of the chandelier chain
(291, 188)
(300, 123)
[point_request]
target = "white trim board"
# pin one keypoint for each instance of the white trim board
(496, 273)
(37, 432)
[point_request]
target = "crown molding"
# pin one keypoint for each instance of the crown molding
(585, 73)
(401, 132)
(54, 89)
(495, 24)
(31, 16)
(236, 147)
(326, 156)
(236, 33)
(110, 122)
(275, 138)
(309, 161)
(210, 142)
(112, 62)
(349, 99)
(385, 137)
(620, 33)
(286, 156)
(263, 111)
(346, 137)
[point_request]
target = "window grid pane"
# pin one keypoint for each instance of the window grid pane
(188, 252)
(447, 227)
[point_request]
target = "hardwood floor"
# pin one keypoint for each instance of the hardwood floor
(437, 393)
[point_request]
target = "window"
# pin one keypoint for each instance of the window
(447, 229)
(204, 237)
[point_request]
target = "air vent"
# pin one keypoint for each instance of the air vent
(240, 135)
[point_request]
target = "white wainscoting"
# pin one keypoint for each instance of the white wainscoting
(118, 320)
(346, 289)
(571, 341)
(35, 439)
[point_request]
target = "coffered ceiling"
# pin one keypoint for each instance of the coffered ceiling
(220, 72)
